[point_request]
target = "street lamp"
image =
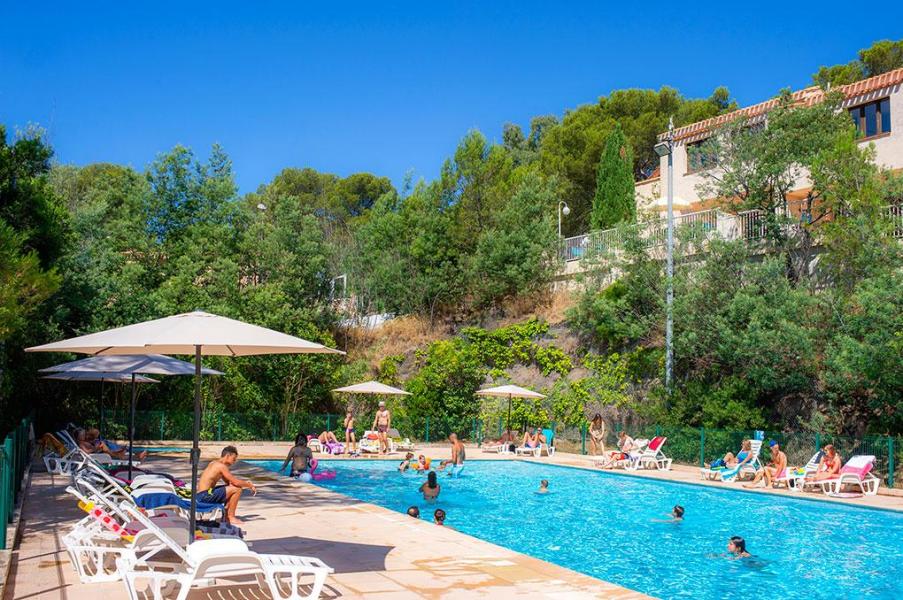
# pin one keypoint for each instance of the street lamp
(666, 148)
(563, 209)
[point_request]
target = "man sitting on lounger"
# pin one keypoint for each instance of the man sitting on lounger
(775, 468)
(228, 494)
(534, 439)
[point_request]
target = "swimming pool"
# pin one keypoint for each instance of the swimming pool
(602, 524)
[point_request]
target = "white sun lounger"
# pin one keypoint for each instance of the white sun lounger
(750, 467)
(856, 473)
(206, 561)
(650, 455)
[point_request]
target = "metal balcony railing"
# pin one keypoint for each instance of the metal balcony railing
(750, 225)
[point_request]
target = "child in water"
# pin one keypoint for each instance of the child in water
(543, 487)
(439, 517)
(406, 462)
(676, 515)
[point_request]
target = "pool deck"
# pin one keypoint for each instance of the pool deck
(376, 553)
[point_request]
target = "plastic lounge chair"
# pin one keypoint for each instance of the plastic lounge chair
(650, 455)
(548, 447)
(369, 442)
(57, 460)
(205, 561)
(735, 473)
(795, 479)
(314, 444)
(399, 443)
(857, 473)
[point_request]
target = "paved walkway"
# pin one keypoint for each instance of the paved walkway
(376, 553)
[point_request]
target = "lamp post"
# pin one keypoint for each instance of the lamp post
(563, 209)
(666, 148)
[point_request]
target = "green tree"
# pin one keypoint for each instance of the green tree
(880, 57)
(615, 199)
(517, 256)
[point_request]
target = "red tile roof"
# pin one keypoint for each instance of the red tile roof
(805, 97)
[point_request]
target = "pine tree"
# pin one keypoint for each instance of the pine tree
(614, 201)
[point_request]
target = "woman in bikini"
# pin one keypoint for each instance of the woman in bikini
(743, 456)
(349, 432)
(828, 466)
(597, 435)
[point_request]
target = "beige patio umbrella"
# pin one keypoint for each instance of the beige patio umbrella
(129, 365)
(197, 333)
(509, 391)
(372, 387)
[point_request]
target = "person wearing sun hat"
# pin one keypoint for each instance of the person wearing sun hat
(774, 470)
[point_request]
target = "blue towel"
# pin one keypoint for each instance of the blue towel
(158, 499)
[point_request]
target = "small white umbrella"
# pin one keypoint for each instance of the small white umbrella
(509, 391)
(129, 365)
(373, 388)
(194, 333)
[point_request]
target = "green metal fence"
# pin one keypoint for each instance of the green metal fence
(14, 457)
(698, 446)
(260, 426)
(686, 445)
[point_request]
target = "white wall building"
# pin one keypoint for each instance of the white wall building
(875, 104)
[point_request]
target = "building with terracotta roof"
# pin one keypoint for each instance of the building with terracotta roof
(875, 104)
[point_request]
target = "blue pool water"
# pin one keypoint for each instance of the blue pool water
(602, 524)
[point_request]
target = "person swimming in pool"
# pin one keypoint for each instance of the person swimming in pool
(406, 463)
(736, 547)
(430, 488)
(543, 487)
(413, 511)
(676, 516)
(300, 456)
(439, 517)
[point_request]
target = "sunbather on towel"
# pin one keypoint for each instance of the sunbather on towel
(90, 442)
(742, 457)
(533, 438)
(228, 494)
(328, 437)
(775, 468)
(828, 465)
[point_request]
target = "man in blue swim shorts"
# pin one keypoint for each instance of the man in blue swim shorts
(228, 494)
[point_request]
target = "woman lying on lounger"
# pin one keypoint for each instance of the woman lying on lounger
(742, 457)
(328, 437)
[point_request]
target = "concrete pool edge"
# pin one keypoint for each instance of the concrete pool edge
(609, 589)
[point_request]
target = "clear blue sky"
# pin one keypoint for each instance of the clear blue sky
(383, 86)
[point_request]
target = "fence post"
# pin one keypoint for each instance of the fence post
(658, 430)
(702, 446)
(817, 441)
(4, 494)
(328, 422)
(499, 435)
(427, 429)
(162, 423)
(890, 462)
(274, 428)
(219, 426)
(583, 439)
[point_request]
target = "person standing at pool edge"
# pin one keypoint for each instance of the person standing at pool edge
(349, 432)
(381, 424)
(457, 455)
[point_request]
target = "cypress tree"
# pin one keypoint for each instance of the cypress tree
(614, 201)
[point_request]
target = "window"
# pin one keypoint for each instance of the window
(872, 119)
(699, 157)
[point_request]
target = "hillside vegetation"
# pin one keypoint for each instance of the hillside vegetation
(467, 260)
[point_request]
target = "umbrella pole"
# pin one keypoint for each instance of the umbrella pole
(509, 418)
(195, 448)
(101, 408)
(132, 423)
